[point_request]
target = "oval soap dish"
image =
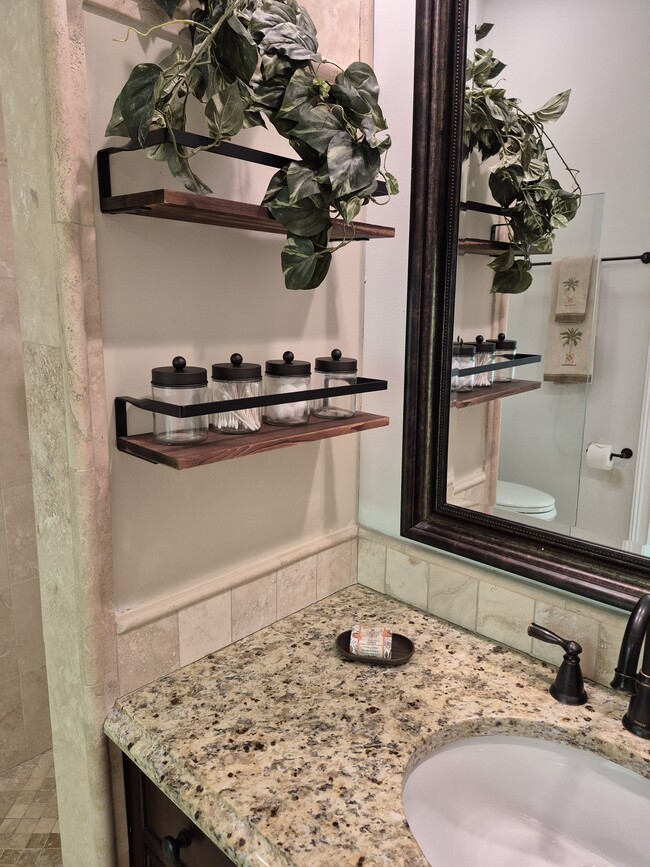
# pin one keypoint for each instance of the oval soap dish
(402, 650)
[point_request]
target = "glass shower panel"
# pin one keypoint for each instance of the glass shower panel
(542, 432)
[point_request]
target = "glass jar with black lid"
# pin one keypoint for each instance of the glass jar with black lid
(462, 358)
(329, 372)
(182, 386)
(234, 380)
(504, 349)
(485, 354)
(287, 376)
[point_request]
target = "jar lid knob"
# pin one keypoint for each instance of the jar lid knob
(179, 363)
(288, 356)
(480, 338)
(336, 354)
(501, 335)
(236, 359)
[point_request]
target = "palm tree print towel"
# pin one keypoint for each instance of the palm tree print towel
(571, 305)
(569, 347)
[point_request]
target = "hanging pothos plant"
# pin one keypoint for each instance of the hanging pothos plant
(257, 59)
(534, 203)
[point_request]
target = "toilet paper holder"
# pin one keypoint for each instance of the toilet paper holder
(625, 454)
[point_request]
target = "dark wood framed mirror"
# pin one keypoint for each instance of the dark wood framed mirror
(598, 572)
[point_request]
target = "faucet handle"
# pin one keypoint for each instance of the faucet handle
(569, 685)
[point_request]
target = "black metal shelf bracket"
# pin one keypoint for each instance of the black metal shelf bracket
(513, 361)
(362, 386)
(190, 140)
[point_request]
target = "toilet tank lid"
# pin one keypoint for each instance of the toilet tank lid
(515, 496)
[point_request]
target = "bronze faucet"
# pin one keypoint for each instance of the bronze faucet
(626, 678)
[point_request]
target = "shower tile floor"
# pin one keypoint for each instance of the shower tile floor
(29, 819)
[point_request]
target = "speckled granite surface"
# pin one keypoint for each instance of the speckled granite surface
(286, 754)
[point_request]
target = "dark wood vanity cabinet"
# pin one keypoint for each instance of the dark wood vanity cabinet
(157, 826)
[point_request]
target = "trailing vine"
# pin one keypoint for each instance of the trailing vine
(258, 60)
(534, 203)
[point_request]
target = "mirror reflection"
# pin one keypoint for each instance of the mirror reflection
(536, 446)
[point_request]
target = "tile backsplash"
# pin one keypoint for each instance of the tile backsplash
(147, 651)
(492, 603)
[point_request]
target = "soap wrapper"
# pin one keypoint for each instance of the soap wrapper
(371, 641)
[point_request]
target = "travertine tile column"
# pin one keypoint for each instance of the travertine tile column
(43, 95)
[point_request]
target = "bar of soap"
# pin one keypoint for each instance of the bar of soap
(371, 641)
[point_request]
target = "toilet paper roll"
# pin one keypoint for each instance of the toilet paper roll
(599, 456)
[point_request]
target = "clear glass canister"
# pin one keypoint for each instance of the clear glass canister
(231, 381)
(505, 349)
(287, 376)
(462, 359)
(485, 354)
(330, 372)
(180, 385)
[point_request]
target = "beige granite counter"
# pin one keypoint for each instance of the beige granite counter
(284, 753)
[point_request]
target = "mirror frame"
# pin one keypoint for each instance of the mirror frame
(594, 571)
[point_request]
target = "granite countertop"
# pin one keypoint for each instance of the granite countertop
(284, 753)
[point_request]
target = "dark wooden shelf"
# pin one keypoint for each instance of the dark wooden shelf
(225, 447)
(482, 248)
(461, 399)
(190, 208)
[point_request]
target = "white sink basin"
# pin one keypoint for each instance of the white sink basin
(520, 802)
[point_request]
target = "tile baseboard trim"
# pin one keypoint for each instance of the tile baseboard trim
(129, 619)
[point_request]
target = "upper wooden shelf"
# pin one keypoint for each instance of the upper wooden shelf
(224, 447)
(190, 208)
(482, 248)
(461, 399)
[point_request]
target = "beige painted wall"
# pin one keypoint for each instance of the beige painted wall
(24, 713)
(171, 288)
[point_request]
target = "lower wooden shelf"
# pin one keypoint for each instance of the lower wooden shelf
(493, 392)
(225, 447)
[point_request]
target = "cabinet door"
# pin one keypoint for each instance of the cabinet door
(152, 817)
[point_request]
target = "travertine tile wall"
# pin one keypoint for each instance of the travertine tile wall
(152, 650)
(492, 603)
(24, 713)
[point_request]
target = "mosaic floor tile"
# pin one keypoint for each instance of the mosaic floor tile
(29, 826)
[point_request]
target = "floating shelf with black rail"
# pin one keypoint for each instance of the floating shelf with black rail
(188, 207)
(461, 399)
(224, 447)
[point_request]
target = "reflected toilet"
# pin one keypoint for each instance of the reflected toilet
(523, 500)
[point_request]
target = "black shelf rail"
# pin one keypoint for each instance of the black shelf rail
(362, 386)
(513, 361)
(191, 140)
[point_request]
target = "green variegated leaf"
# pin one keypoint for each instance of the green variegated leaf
(138, 99)
(503, 262)
(269, 15)
(553, 109)
(349, 208)
(300, 91)
(116, 125)
(301, 182)
(290, 40)
(361, 77)
(316, 126)
(351, 166)
(514, 280)
(305, 217)
(482, 30)
(224, 113)
(391, 184)
(303, 266)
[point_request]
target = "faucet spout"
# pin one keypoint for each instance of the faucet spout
(626, 677)
(628, 658)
